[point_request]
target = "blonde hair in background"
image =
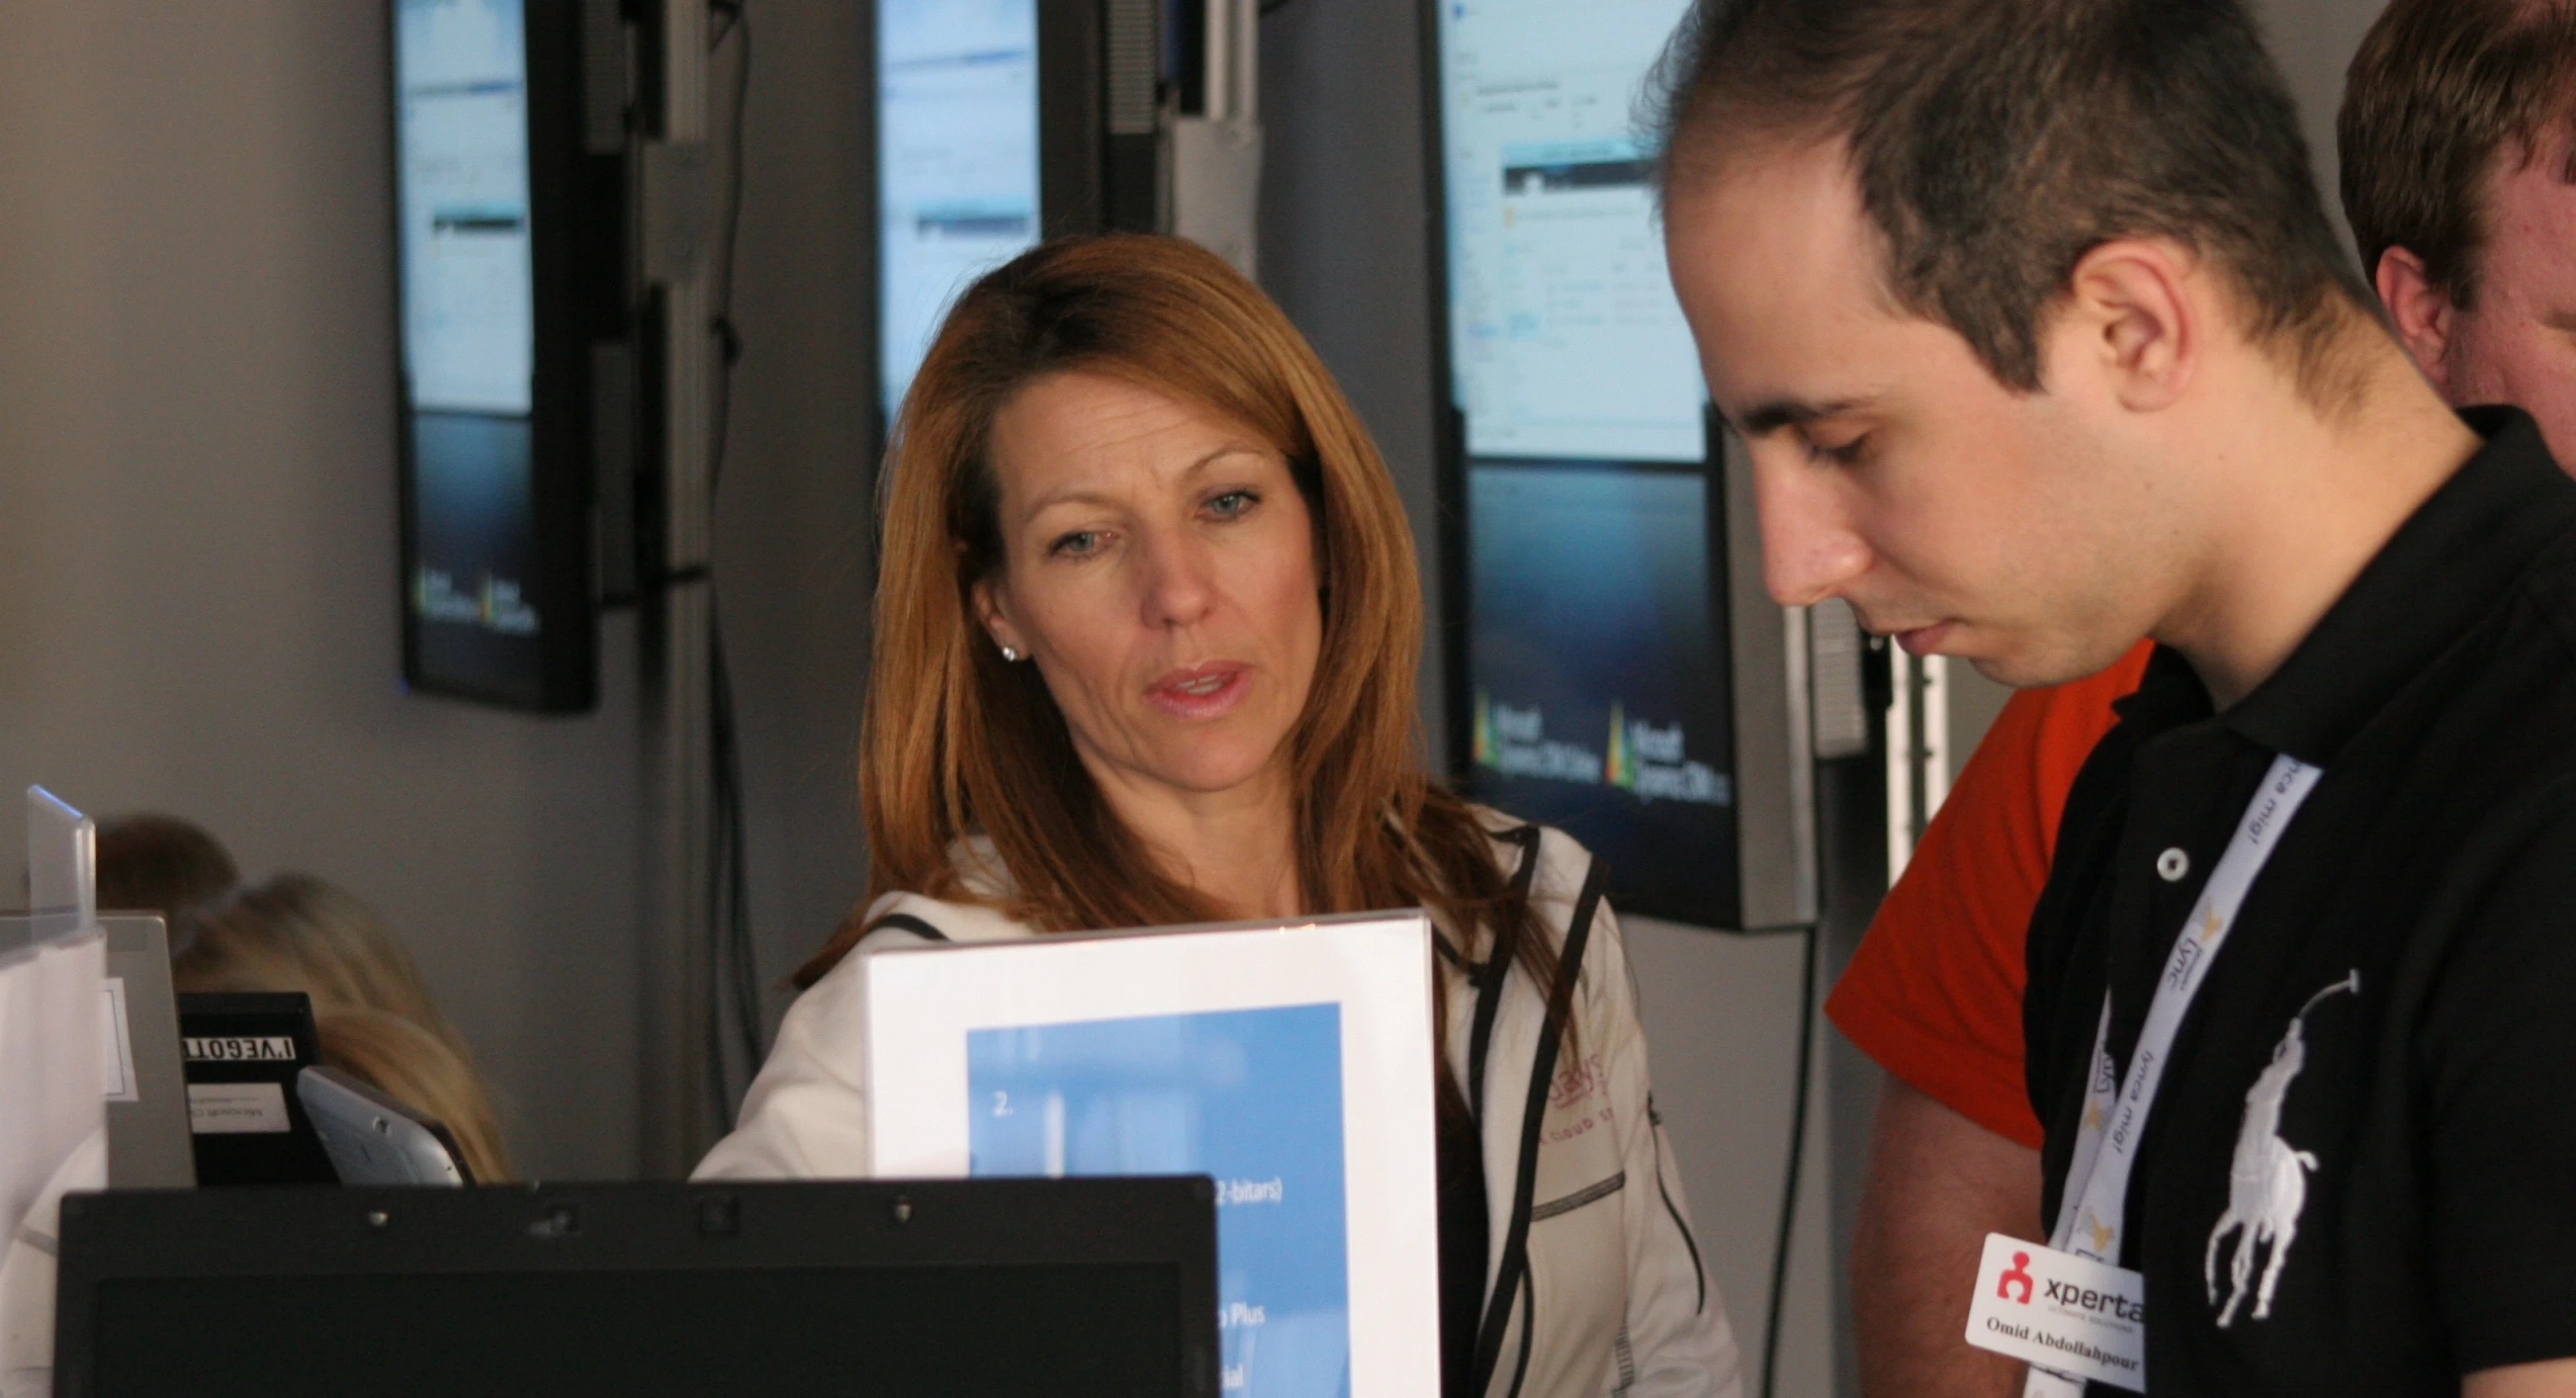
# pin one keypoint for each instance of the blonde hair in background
(296, 932)
(410, 1065)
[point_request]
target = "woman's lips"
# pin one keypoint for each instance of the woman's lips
(1202, 691)
(1924, 640)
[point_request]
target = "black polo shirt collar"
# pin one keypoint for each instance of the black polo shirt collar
(2437, 574)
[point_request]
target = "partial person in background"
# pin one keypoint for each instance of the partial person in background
(2457, 139)
(1146, 646)
(373, 1012)
(148, 862)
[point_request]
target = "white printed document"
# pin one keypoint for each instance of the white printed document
(1292, 1063)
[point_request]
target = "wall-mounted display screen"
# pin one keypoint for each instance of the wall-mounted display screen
(1565, 340)
(469, 270)
(495, 594)
(957, 161)
(1592, 703)
(1593, 689)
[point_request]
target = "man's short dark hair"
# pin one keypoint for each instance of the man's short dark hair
(1996, 142)
(2440, 95)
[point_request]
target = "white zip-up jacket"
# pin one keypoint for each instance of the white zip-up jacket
(1602, 1288)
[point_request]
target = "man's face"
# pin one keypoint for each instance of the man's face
(2518, 344)
(1891, 468)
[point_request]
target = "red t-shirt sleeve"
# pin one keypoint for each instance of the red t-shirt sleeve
(1934, 992)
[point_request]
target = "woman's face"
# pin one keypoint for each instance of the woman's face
(1159, 569)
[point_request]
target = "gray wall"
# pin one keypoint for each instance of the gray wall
(793, 510)
(2314, 40)
(197, 576)
(1345, 237)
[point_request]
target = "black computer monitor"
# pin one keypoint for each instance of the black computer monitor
(1597, 661)
(1000, 122)
(510, 273)
(958, 1288)
(1611, 665)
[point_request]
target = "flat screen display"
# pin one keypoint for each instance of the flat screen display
(469, 337)
(1565, 340)
(1593, 709)
(1596, 693)
(957, 161)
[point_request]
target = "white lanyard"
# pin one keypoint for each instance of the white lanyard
(2092, 1210)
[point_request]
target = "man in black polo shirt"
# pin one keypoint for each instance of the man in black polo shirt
(2041, 342)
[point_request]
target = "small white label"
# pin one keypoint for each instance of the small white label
(230, 1108)
(116, 1045)
(2069, 1314)
(239, 1048)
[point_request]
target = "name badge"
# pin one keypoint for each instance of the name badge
(2070, 1314)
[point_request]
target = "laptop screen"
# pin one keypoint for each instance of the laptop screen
(1067, 1288)
(1100, 1329)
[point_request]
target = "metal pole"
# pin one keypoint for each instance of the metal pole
(675, 1120)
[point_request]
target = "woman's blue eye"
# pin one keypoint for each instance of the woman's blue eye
(1077, 543)
(1233, 503)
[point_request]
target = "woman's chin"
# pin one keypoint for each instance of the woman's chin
(1201, 772)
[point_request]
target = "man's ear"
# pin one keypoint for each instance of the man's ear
(2421, 311)
(2136, 308)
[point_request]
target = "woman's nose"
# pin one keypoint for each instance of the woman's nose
(1180, 583)
(1810, 549)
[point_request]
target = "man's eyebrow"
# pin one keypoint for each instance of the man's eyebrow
(1767, 418)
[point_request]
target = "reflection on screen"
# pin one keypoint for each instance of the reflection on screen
(469, 303)
(1597, 660)
(957, 132)
(1566, 340)
(469, 340)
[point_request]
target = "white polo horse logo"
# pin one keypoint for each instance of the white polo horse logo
(2267, 1181)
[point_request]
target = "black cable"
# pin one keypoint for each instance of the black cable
(733, 961)
(1797, 1163)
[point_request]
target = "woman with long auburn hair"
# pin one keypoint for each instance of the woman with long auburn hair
(1146, 639)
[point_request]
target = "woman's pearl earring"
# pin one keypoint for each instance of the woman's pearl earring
(1010, 656)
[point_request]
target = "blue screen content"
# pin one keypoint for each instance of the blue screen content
(1252, 1098)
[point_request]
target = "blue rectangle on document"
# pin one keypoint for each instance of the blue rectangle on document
(1252, 1098)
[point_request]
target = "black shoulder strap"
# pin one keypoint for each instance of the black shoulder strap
(1497, 969)
(904, 922)
(1508, 1282)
